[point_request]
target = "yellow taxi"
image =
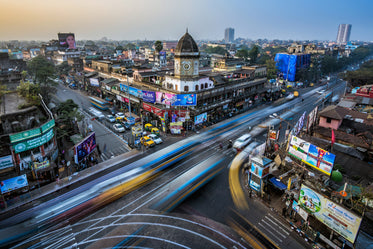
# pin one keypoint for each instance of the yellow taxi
(148, 127)
(147, 141)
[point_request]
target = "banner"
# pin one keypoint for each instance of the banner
(133, 91)
(312, 118)
(273, 135)
(176, 127)
(185, 100)
(45, 127)
(148, 96)
(14, 183)
(24, 135)
(6, 162)
(165, 98)
(42, 165)
(200, 118)
(85, 148)
(332, 215)
(94, 82)
(33, 143)
(312, 155)
(298, 126)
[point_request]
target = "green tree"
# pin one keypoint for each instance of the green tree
(67, 113)
(63, 69)
(42, 72)
(271, 69)
(253, 53)
(130, 46)
(158, 46)
(243, 54)
(215, 50)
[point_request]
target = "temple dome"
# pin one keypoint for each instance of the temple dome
(186, 44)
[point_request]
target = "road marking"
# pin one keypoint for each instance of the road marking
(287, 233)
(278, 239)
(273, 228)
(279, 222)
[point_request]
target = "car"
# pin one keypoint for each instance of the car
(155, 138)
(126, 125)
(96, 113)
(242, 141)
(119, 116)
(110, 118)
(147, 141)
(119, 128)
(321, 91)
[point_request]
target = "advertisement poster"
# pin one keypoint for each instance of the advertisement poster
(14, 183)
(332, 215)
(148, 96)
(200, 118)
(34, 142)
(273, 135)
(94, 82)
(6, 162)
(133, 91)
(259, 170)
(185, 100)
(42, 165)
(176, 127)
(165, 98)
(66, 40)
(312, 155)
(85, 148)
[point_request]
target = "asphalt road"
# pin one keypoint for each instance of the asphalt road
(199, 222)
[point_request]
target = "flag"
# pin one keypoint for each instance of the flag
(333, 137)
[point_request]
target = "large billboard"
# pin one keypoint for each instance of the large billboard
(85, 148)
(199, 119)
(148, 96)
(334, 216)
(14, 183)
(66, 40)
(165, 98)
(185, 100)
(312, 155)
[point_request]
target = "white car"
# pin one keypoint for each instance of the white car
(242, 141)
(119, 128)
(119, 115)
(155, 138)
(110, 118)
(321, 91)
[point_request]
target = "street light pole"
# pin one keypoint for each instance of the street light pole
(129, 95)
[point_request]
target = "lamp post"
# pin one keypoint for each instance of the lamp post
(275, 116)
(128, 91)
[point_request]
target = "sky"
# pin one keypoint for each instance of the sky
(168, 19)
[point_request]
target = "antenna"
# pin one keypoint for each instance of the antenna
(187, 29)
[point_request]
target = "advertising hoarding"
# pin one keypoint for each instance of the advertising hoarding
(85, 148)
(312, 118)
(148, 96)
(273, 135)
(66, 40)
(133, 91)
(332, 215)
(24, 135)
(165, 98)
(200, 118)
(34, 142)
(312, 155)
(6, 162)
(42, 165)
(94, 82)
(176, 127)
(45, 127)
(185, 100)
(14, 183)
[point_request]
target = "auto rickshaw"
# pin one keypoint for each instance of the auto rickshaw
(154, 130)
(148, 127)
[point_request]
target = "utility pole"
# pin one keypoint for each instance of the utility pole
(129, 95)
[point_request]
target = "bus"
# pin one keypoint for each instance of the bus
(99, 103)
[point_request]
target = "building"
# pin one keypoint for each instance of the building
(344, 31)
(229, 35)
(289, 64)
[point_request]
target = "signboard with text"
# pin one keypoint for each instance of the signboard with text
(6, 162)
(14, 183)
(34, 142)
(24, 135)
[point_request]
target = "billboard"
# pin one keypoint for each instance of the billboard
(66, 40)
(85, 148)
(6, 162)
(94, 82)
(332, 215)
(165, 98)
(14, 183)
(34, 142)
(133, 91)
(200, 118)
(148, 96)
(312, 155)
(185, 100)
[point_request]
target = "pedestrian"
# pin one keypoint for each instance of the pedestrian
(284, 212)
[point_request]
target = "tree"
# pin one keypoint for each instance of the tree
(253, 53)
(243, 54)
(158, 46)
(215, 50)
(42, 72)
(63, 69)
(67, 112)
(130, 46)
(271, 69)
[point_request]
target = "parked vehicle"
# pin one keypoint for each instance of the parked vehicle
(96, 113)
(242, 141)
(154, 130)
(119, 116)
(110, 118)
(155, 138)
(148, 127)
(127, 125)
(119, 128)
(147, 141)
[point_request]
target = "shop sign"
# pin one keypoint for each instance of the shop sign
(240, 103)
(273, 135)
(45, 127)
(258, 170)
(6, 162)
(185, 100)
(199, 119)
(33, 143)
(14, 183)
(42, 165)
(24, 135)
(176, 127)
(148, 96)
(254, 185)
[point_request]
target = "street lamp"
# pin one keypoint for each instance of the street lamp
(275, 116)
(128, 91)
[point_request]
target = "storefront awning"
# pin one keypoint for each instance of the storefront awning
(277, 183)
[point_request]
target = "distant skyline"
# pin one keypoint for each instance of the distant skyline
(168, 19)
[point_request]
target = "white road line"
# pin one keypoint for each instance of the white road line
(279, 222)
(283, 230)
(270, 233)
(274, 229)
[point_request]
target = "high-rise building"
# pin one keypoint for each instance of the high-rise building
(344, 31)
(229, 35)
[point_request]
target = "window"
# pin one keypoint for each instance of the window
(328, 120)
(206, 86)
(196, 87)
(201, 86)
(186, 88)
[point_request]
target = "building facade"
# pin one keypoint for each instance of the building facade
(344, 31)
(229, 35)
